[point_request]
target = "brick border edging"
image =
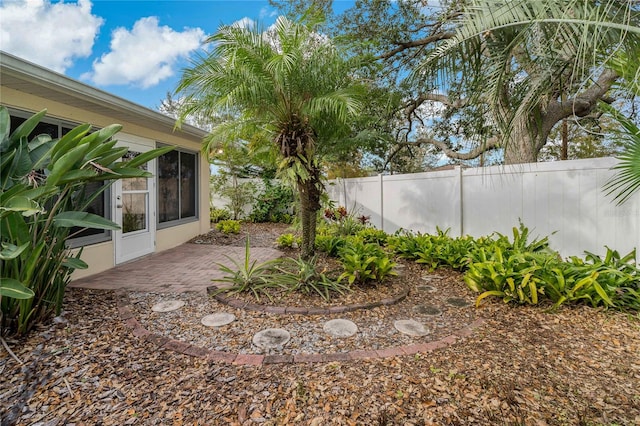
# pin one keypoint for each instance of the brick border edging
(123, 304)
(241, 304)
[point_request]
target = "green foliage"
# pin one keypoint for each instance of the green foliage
(287, 240)
(300, 275)
(273, 204)
(364, 262)
(293, 95)
(42, 197)
(286, 274)
(228, 226)
(373, 235)
(520, 273)
(238, 194)
(434, 250)
(330, 244)
(524, 270)
(626, 181)
(511, 277)
(349, 226)
(247, 276)
(216, 215)
(344, 223)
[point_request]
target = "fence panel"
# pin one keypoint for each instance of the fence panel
(422, 201)
(560, 198)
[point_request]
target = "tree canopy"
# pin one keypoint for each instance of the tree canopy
(501, 75)
(288, 89)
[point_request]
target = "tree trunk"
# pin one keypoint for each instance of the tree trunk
(527, 139)
(309, 206)
(520, 149)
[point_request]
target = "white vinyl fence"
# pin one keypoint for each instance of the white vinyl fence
(563, 198)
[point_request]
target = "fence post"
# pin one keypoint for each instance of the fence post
(460, 180)
(381, 201)
(343, 193)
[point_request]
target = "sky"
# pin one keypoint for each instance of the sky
(132, 49)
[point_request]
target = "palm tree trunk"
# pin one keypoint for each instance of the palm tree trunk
(309, 206)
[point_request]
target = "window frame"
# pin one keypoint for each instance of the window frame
(180, 220)
(100, 237)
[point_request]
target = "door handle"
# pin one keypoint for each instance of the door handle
(118, 206)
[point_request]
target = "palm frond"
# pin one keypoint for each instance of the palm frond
(626, 182)
(534, 49)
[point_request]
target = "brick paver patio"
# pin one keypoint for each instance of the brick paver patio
(188, 267)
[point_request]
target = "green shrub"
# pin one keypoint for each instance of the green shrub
(287, 241)
(364, 262)
(300, 275)
(330, 244)
(407, 245)
(343, 223)
(228, 226)
(216, 215)
(286, 274)
(530, 273)
(238, 195)
(273, 204)
(247, 276)
(44, 193)
(512, 276)
(373, 235)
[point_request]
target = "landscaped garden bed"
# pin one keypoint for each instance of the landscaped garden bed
(524, 365)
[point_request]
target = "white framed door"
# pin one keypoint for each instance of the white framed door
(134, 209)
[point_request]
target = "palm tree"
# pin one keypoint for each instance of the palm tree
(287, 87)
(626, 181)
(534, 63)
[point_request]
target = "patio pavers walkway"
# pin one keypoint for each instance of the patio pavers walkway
(188, 267)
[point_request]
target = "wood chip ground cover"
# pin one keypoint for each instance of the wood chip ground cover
(523, 366)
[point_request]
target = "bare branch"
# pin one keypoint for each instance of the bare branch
(416, 43)
(490, 144)
(410, 106)
(583, 103)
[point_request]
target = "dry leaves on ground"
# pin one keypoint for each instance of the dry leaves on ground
(523, 366)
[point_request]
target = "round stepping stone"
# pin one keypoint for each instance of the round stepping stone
(456, 301)
(271, 338)
(340, 328)
(429, 278)
(427, 310)
(410, 327)
(167, 306)
(218, 320)
(427, 288)
(399, 268)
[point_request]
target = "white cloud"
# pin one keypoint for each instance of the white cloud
(267, 12)
(51, 35)
(245, 23)
(145, 55)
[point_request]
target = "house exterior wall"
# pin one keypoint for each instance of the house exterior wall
(100, 256)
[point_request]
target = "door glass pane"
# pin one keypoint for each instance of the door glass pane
(134, 184)
(134, 212)
(187, 185)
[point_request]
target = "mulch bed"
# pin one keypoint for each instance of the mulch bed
(376, 326)
(523, 366)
